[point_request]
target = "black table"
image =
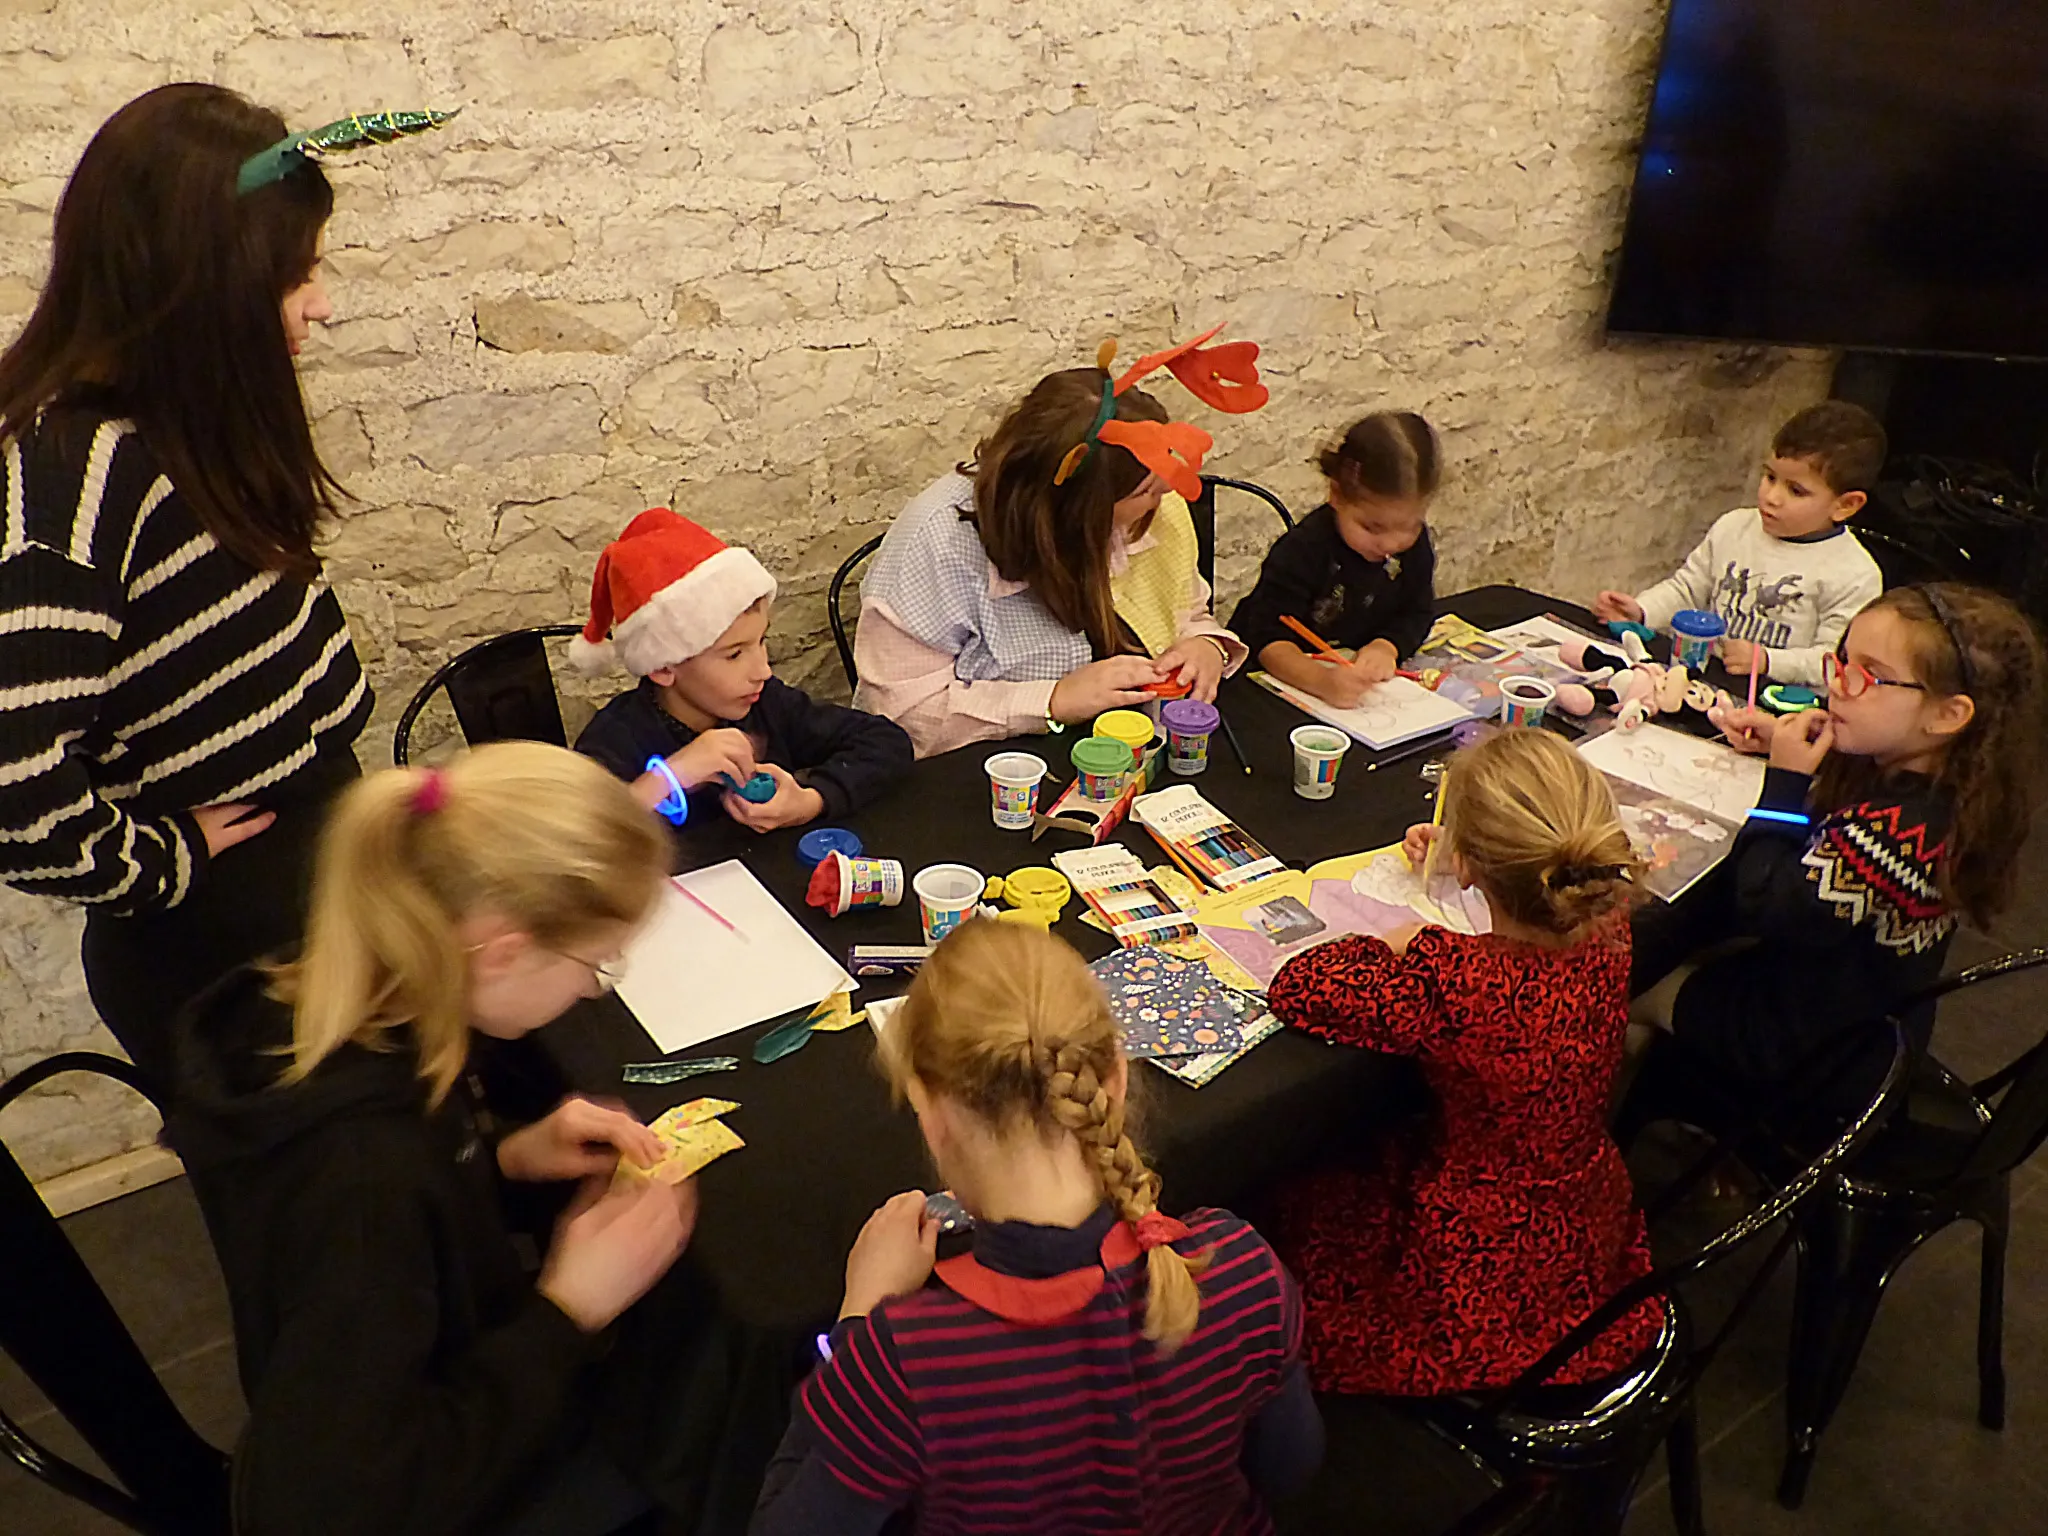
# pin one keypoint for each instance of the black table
(824, 1144)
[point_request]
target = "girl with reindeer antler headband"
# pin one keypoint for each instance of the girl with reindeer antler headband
(1054, 576)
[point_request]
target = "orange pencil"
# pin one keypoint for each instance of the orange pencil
(1324, 650)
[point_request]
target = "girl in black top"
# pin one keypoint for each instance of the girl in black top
(179, 696)
(1359, 570)
(1884, 819)
(363, 1175)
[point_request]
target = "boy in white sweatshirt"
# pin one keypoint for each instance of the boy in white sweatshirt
(1785, 574)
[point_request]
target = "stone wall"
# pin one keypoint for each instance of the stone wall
(776, 264)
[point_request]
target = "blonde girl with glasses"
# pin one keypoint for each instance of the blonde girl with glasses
(1886, 817)
(362, 1177)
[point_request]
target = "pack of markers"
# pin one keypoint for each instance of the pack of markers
(1203, 841)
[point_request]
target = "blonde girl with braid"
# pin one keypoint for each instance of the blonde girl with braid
(1090, 1363)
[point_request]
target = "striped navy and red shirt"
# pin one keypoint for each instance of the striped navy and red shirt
(984, 1425)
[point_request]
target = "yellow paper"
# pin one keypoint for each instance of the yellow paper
(692, 1113)
(686, 1147)
(834, 1014)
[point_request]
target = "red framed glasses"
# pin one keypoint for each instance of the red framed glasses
(1852, 680)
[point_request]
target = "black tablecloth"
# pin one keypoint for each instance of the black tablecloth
(824, 1144)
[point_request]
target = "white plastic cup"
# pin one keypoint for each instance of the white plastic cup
(1013, 780)
(1523, 700)
(1318, 753)
(946, 893)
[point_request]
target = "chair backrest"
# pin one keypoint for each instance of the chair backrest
(1818, 1172)
(1203, 509)
(502, 690)
(57, 1326)
(840, 635)
(2019, 1120)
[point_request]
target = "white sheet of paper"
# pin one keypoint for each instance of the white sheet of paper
(1707, 775)
(1398, 710)
(688, 980)
(1544, 635)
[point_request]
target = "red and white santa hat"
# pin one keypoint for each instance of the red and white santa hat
(665, 590)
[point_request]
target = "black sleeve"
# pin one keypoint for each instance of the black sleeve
(847, 755)
(801, 1497)
(363, 1424)
(1772, 894)
(617, 737)
(1289, 583)
(1407, 623)
(1283, 1444)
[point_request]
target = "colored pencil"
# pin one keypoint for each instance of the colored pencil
(709, 910)
(1759, 658)
(1231, 736)
(1324, 650)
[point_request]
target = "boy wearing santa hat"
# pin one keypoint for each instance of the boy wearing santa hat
(688, 615)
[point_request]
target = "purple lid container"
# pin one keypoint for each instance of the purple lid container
(1190, 717)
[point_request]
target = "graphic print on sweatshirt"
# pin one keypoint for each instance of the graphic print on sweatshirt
(1751, 605)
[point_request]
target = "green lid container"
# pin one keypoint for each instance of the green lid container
(1101, 754)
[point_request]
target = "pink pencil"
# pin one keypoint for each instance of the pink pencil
(709, 910)
(1759, 658)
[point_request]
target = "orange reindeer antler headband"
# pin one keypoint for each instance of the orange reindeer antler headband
(1226, 377)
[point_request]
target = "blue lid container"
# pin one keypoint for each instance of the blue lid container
(814, 847)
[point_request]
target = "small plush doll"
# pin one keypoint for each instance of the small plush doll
(1632, 686)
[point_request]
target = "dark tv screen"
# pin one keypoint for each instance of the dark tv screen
(1855, 173)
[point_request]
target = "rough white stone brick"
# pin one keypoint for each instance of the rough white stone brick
(494, 245)
(510, 69)
(314, 80)
(957, 59)
(522, 323)
(747, 70)
(376, 342)
(496, 429)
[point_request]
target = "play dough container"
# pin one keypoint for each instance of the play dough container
(1318, 751)
(946, 893)
(1038, 889)
(1013, 779)
(1524, 699)
(1693, 633)
(1189, 724)
(839, 883)
(1128, 726)
(1102, 763)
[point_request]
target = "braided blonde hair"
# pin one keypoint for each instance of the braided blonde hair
(1009, 1023)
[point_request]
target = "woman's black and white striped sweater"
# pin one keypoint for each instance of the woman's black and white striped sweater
(144, 671)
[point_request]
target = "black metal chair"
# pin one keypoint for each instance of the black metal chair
(1203, 509)
(502, 690)
(1567, 1459)
(57, 1326)
(841, 637)
(1948, 1156)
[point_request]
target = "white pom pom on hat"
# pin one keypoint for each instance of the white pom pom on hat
(664, 591)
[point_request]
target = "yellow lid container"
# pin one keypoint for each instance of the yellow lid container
(1127, 726)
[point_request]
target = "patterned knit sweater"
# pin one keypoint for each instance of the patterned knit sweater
(1847, 913)
(144, 671)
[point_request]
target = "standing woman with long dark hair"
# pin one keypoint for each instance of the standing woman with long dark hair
(179, 696)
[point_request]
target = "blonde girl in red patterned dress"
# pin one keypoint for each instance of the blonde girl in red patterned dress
(1466, 1249)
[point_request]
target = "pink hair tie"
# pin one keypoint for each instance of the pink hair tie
(1153, 1229)
(431, 795)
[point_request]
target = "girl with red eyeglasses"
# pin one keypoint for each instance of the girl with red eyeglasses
(1886, 817)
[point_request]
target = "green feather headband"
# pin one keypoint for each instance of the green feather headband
(288, 154)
